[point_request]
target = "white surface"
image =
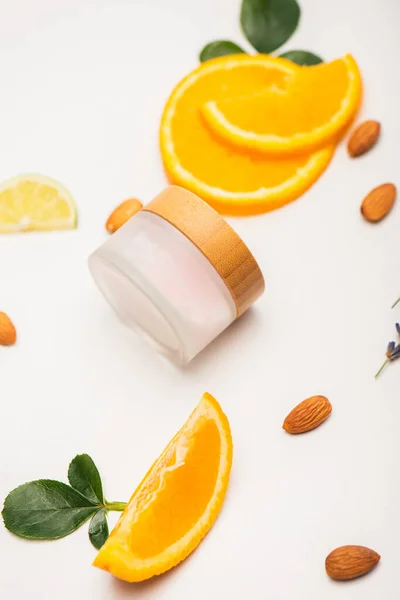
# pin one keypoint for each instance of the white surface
(82, 88)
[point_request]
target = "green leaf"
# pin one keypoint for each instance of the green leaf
(98, 528)
(45, 509)
(268, 24)
(219, 48)
(302, 57)
(84, 477)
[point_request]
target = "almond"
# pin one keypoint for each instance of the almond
(308, 415)
(363, 138)
(379, 202)
(349, 562)
(122, 214)
(8, 334)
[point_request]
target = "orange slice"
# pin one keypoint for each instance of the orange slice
(315, 105)
(177, 502)
(232, 180)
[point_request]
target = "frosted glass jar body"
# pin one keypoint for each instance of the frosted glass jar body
(162, 286)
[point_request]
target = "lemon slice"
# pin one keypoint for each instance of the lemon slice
(35, 203)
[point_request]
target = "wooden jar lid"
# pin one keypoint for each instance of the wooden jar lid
(219, 243)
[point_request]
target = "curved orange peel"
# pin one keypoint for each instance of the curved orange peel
(232, 180)
(318, 103)
(177, 502)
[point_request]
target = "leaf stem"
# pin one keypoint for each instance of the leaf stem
(397, 301)
(115, 505)
(381, 369)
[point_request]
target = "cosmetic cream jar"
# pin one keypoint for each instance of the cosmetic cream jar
(177, 273)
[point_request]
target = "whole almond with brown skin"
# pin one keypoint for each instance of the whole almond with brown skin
(122, 214)
(363, 138)
(8, 334)
(349, 562)
(379, 202)
(308, 415)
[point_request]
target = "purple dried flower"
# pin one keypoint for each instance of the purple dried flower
(392, 352)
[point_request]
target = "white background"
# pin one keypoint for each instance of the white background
(83, 84)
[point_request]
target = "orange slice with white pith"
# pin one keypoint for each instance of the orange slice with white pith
(233, 180)
(177, 502)
(313, 107)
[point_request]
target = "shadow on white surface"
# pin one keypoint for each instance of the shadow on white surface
(246, 326)
(144, 589)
